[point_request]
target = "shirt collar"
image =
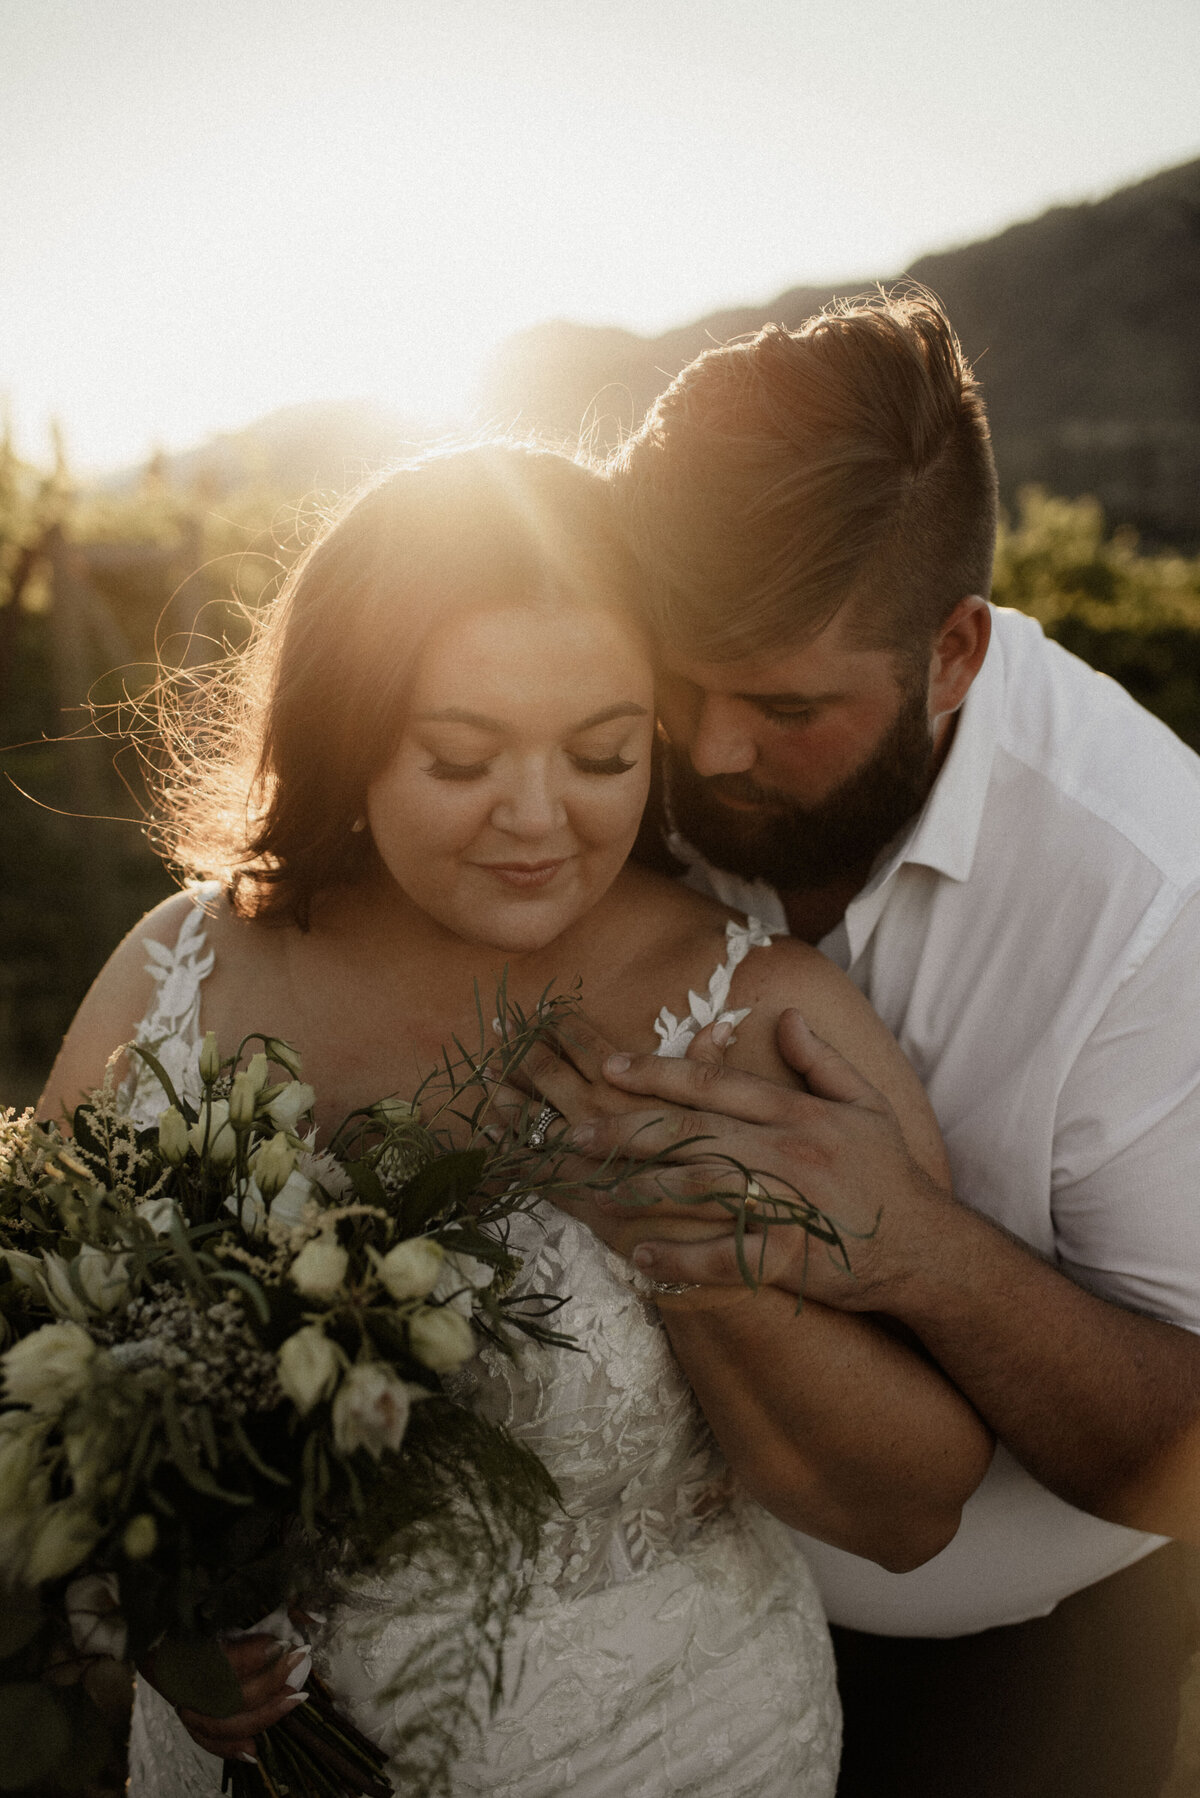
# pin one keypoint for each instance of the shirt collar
(944, 834)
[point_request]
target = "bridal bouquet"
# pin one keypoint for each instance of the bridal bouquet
(223, 1393)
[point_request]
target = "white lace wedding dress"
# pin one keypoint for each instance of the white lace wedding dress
(675, 1643)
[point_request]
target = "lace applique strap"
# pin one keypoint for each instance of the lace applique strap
(675, 1034)
(171, 1027)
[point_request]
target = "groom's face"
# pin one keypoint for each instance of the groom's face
(797, 768)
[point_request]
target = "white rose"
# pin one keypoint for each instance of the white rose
(462, 1277)
(371, 1410)
(157, 1213)
(214, 1127)
(442, 1338)
(60, 1290)
(309, 1365)
(48, 1368)
(412, 1269)
(94, 1614)
(320, 1268)
(103, 1278)
(288, 1107)
(292, 1200)
(65, 1536)
(20, 1450)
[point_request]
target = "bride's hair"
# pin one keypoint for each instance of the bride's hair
(269, 758)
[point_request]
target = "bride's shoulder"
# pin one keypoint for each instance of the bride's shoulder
(183, 934)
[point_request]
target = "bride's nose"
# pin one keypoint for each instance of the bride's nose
(531, 807)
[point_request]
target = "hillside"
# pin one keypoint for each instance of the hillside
(1084, 324)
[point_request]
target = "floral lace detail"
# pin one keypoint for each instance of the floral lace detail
(674, 1645)
(171, 1028)
(676, 1034)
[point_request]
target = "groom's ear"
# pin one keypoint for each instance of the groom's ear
(957, 655)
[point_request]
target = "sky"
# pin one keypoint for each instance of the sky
(209, 210)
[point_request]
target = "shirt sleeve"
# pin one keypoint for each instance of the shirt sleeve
(1126, 1185)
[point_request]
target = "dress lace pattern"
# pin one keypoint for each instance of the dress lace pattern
(675, 1645)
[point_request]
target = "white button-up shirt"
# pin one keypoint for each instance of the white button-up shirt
(1033, 943)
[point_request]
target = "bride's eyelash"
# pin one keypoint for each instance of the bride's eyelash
(457, 770)
(611, 764)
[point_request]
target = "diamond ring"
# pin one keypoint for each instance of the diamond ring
(549, 1114)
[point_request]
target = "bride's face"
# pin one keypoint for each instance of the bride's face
(515, 792)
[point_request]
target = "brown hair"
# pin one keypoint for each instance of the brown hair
(780, 479)
(268, 767)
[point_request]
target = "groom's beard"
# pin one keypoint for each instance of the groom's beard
(795, 846)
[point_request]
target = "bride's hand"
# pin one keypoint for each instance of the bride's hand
(269, 1680)
(568, 1073)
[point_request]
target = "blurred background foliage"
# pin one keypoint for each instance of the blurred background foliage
(97, 587)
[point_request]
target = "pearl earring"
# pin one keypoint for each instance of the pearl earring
(360, 823)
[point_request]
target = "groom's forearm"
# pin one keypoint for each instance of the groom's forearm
(833, 1424)
(1100, 1404)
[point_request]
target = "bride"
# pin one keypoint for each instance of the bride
(432, 770)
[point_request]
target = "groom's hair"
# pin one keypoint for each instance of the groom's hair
(784, 478)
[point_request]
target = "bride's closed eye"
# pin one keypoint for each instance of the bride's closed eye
(609, 764)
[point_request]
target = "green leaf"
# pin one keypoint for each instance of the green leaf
(34, 1733)
(156, 1068)
(439, 1186)
(189, 1670)
(20, 1619)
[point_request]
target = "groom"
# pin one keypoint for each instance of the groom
(1003, 850)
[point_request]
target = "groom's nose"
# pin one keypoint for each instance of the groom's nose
(722, 739)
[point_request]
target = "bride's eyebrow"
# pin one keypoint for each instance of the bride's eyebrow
(456, 715)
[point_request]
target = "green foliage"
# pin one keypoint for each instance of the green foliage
(1133, 616)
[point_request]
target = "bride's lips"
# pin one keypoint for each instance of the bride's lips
(524, 874)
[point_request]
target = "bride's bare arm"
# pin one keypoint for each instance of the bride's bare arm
(833, 1420)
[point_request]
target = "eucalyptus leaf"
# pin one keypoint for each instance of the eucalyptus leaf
(192, 1671)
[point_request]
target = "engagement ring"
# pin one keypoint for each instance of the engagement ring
(549, 1114)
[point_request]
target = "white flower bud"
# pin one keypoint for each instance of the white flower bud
(103, 1278)
(396, 1112)
(48, 1368)
(273, 1164)
(158, 1213)
(256, 1072)
(370, 1410)
(441, 1339)
(210, 1059)
(66, 1535)
(212, 1132)
(141, 1536)
(285, 1055)
(241, 1102)
(411, 1270)
(94, 1614)
(289, 1106)
(320, 1268)
(172, 1136)
(309, 1367)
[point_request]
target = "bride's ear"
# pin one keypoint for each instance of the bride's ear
(957, 656)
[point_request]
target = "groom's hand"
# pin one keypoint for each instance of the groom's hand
(838, 1144)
